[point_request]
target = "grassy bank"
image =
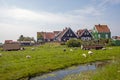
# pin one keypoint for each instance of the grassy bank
(108, 72)
(14, 64)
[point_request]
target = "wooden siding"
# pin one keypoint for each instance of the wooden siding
(68, 35)
(85, 35)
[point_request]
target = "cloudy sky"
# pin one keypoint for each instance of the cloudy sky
(26, 17)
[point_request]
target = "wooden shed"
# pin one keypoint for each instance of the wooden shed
(11, 46)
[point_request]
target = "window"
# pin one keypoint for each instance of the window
(70, 34)
(83, 38)
(87, 33)
(67, 34)
(106, 36)
(98, 35)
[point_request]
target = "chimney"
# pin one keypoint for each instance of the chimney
(65, 28)
(99, 24)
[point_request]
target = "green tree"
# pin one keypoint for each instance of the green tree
(22, 38)
(73, 43)
(40, 38)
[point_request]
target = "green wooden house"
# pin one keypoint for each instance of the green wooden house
(101, 32)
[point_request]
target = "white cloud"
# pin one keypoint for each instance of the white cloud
(89, 11)
(28, 15)
(103, 3)
(13, 31)
(16, 21)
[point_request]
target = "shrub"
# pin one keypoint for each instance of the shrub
(62, 43)
(73, 43)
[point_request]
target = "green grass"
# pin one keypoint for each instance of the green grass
(14, 64)
(109, 72)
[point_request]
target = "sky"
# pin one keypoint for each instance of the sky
(27, 17)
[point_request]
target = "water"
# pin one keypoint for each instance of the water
(60, 74)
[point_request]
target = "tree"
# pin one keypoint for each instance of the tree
(73, 43)
(22, 38)
(40, 38)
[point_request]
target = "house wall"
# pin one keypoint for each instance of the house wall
(68, 35)
(102, 35)
(86, 36)
(97, 35)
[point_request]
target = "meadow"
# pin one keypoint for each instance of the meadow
(49, 57)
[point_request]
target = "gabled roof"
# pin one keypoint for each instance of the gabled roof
(8, 41)
(81, 31)
(47, 35)
(116, 37)
(63, 32)
(102, 28)
(56, 32)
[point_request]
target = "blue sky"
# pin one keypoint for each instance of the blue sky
(27, 17)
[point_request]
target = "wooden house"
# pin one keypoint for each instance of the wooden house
(45, 36)
(101, 32)
(84, 34)
(65, 35)
(26, 43)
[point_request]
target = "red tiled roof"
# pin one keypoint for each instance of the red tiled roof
(80, 31)
(8, 41)
(56, 32)
(118, 38)
(90, 31)
(102, 28)
(47, 35)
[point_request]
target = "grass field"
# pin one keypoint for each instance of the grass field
(108, 72)
(14, 64)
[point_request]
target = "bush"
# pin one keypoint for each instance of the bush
(73, 43)
(62, 43)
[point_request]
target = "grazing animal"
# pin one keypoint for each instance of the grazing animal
(90, 52)
(0, 54)
(84, 55)
(22, 48)
(75, 48)
(28, 56)
(103, 48)
(32, 49)
(64, 49)
(71, 50)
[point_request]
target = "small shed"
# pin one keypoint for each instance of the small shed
(97, 47)
(11, 46)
